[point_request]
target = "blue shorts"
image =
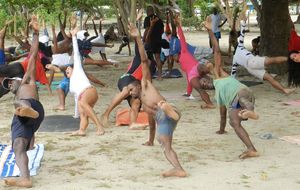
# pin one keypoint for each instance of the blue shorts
(25, 127)
(165, 124)
(64, 85)
(2, 57)
(218, 35)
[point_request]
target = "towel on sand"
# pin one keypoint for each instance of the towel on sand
(8, 166)
(122, 117)
(295, 139)
(292, 103)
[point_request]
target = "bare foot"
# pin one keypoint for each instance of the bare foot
(207, 106)
(288, 91)
(136, 126)
(174, 172)
(110, 45)
(100, 131)
(248, 154)
(104, 121)
(168, 109)
(220, 132)
(60, 108)
(26, 112)
(245, 114)
(148, 143)
(19, 182)
(78, 133)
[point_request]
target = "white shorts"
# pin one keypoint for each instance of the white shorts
(61, 59)
(256, 66)
(100, 39)
(166, 52)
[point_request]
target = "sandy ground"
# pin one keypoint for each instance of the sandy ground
(118, 160)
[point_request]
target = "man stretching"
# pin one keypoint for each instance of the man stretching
(29, 112)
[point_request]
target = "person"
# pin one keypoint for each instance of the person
(255, 46)
(218, 20)
(233, 96)
(294, 68)
(165, 115)
(194, 69)
(154, 29)
(124, 38)
(85, 94)
(255, 65)
(99, 38)
(129, 81)
(2, 37)
(29, 113)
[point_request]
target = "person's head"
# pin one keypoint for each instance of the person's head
(214, 10)
(204, 68)
(150, 10)
(82, 35)
(255, 43)
(12, 84)
(69, 71)
(294, 68)
(206, 83)
(135, 89)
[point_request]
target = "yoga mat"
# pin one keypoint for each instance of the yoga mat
(59, 123)
(8, 167)
(175, 73)
(295, 139)
(292, 103)
(250, 83)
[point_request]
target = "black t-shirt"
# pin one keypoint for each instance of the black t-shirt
(157, 31)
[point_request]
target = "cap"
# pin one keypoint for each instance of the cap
(44, 39)
(5, 81)
(82, 34)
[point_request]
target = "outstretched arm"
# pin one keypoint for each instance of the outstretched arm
(94, 26)
(133, 31)
(29, 76)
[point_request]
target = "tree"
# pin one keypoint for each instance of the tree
(275, 30)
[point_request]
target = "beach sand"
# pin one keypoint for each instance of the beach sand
(118, 160)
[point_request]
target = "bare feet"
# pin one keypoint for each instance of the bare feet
(60, 108)
(148, 143)
(104, 121)
(207, 106)
(220, 132)
(245, 114)
(100, 131)
(18, 182)
(27, 112)
(248, 154)
(137, 126)
(174, 172)
(288, 91)
(78, 133)
(168, 109)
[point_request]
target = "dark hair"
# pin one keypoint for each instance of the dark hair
(293, 71)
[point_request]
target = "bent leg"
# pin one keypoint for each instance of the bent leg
(170, 154)
(235, 122)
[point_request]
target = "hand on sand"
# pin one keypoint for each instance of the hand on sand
(207, 106)
(148, 143)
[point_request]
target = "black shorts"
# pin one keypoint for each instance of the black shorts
(26, 127)
(12, 70)
(125, 80)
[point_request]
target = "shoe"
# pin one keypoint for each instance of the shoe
(191, 97)
(186, 94)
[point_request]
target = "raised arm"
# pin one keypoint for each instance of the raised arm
(133, 31)
(181, 36)
(29, 76)
(62, 25)
(94, 26)
(54, 39)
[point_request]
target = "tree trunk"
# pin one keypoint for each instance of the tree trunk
(274, 31)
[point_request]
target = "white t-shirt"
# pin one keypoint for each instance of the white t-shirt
(216, 21)
(100, 39)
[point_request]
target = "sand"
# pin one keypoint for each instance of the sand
(118, 160)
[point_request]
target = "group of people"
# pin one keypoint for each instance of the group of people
(70, 53)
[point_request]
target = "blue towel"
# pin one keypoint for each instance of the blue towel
(8, 167)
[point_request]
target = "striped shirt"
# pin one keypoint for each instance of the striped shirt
(242, 55)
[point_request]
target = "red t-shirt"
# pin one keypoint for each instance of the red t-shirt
(40, 72)
(294, 42)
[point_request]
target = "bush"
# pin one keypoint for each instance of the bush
(193, 22)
